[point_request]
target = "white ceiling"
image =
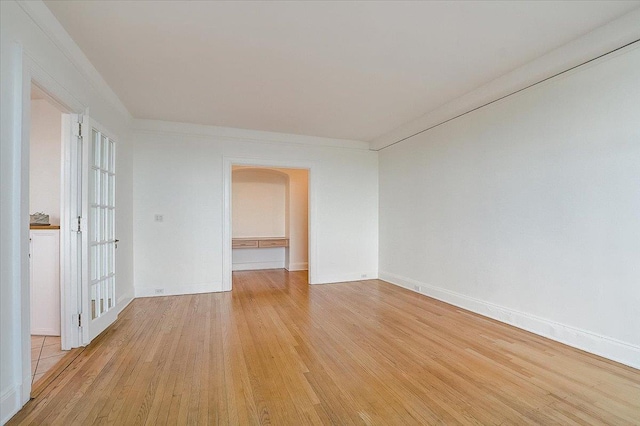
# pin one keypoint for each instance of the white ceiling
(348, 70)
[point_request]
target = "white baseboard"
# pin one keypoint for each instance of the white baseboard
(348, 277)
(10, 403)
(179, 290)
(254, 266)
(300, 266)
(606, 347)
(45, 332)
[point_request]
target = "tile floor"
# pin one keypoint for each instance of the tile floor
(45, 353)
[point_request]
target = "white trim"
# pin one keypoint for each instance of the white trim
(607, 347)
(85, 287)
(227, 162)
(235, 134)
(21, 162)
(227, 250)
(179, 290)
(10, 403)
(56, 92)
(69, 241)
(299, 266)
(52, 28)
(45, 332)
(593, 44)
(345, 278)
(255, 266)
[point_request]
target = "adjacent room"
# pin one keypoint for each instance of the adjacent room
(269, 218)
(45, 183)
(289, 212)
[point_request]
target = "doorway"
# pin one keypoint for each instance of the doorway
(75, 260)
(46, 183)
(269, 218)
(290, 232)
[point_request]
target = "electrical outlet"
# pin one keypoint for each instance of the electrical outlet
(159, 290)
(363, 276)
(159, 218)
(418, 288)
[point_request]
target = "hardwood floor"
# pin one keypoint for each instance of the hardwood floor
(277, 351)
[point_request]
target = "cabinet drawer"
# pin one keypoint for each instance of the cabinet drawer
(244, 244)
(274, 243)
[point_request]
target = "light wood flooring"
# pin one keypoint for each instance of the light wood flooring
(277, 351)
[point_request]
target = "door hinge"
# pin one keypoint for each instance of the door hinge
(79, 320)
(78, 127)
(79, 220)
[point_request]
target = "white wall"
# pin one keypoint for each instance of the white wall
(45, 161)
(528, 210)
(259, 203)
(33, 43)
(178, 172)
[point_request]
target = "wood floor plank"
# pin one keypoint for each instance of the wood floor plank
(278, 351)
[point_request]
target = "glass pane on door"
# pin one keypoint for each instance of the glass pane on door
(102, 225)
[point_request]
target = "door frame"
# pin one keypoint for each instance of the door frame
(33, 73)
(228, 163)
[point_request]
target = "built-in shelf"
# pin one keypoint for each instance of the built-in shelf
(259, 242)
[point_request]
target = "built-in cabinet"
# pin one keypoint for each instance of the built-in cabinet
(44, 263)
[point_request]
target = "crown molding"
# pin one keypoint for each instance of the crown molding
(53, 29)
(244, 135)
(602, 40)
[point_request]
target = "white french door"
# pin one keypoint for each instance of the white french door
(99, 241)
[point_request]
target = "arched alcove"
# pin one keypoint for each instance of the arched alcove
(269, 203)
